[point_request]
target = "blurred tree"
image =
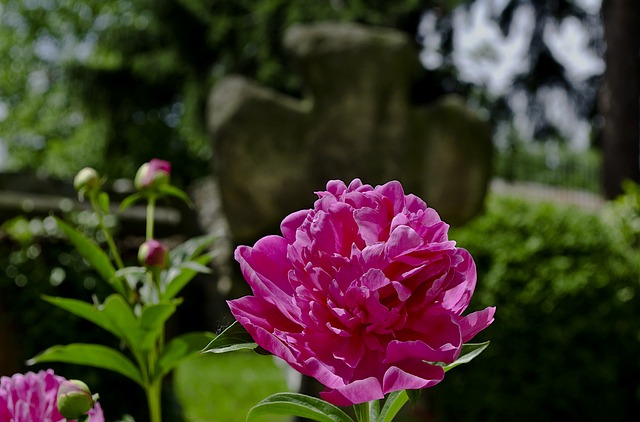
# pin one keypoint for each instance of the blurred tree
(112, 83)
(620, 95)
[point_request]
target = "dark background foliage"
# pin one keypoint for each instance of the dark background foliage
(565, 339)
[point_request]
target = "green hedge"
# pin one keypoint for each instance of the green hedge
(565, 344)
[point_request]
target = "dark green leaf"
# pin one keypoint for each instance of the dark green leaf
(298, 405)
(98, 259)
(468, 353)
(179, 349)
(233, 338)
(91, 355)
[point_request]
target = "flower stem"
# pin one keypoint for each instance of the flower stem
(151, 206)
(110, 242)
(362, 411)
(153, 399)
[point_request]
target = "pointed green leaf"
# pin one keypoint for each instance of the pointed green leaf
(179, 349)
(98, 259)
(152, 321)
(392, 406)
(233, 338)
(84, 310)
(174, 191)
(468, 353)
(189, 249)
(298, 405)
(196, 266)
(91, 355)
(103, 200)
(129, 200)
(177, 277)
(121, 316)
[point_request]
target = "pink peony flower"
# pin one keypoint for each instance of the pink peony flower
(32, 398)
(361, 292)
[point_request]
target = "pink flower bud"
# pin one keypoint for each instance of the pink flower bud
(153, 254)
(154, 173)
(74, 399)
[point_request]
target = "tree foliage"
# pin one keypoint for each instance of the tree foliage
(124, 80)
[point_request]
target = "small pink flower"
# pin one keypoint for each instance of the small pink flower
(32, 398)
(363, 292)
(152, 174)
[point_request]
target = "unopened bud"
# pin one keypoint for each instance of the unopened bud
(74, 399)
(86, 179)
(153, 254)
(154, 173)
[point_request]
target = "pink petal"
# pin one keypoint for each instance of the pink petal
(412, 376)
(291, 223)
(359, 391)
(475, 322)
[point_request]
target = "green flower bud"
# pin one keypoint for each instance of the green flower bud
(86, 179)
(74, 399)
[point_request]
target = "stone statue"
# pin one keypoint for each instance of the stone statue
(272, 151)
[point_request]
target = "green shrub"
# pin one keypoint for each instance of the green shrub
(565, 344)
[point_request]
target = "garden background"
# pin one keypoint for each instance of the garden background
(111, 84)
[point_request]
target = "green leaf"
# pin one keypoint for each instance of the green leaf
(179, 349)
(121, 316)
(103, 200)
(84, 310)
(152, 322)
(138, 333)
(98, 259)
(91, 355)
(468, 353)
(177, 277)
(298, 405)
(189, 249)
(233, 338)
(133, 276)
(174, 191)
(129, 200)
(374, 410)
(392, 405)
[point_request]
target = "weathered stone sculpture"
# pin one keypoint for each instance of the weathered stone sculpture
(272, 151)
